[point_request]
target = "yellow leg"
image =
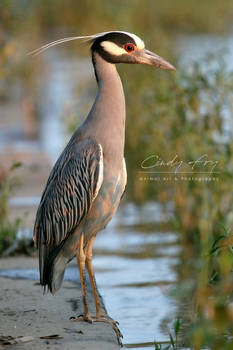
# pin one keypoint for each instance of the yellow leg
(85, 258)
(88, 253)
(81, 259)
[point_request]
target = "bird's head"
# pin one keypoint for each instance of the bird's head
(117, 47)
(123, 47)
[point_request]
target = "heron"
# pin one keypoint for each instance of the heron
(88, 180)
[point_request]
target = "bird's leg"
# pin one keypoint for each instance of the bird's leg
(85, 258)
(100, 315)
(88, 252)
(81, 259)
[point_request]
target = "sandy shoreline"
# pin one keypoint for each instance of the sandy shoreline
(26, 312)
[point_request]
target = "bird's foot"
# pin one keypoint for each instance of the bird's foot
(100, 318)
(113, 323)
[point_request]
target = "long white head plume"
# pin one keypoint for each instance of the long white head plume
(87, 38)
(60, 41)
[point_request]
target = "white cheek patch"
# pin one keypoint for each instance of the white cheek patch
(112, 48)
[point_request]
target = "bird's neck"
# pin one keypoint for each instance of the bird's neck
(108, 110)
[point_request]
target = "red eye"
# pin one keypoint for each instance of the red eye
(129, 47)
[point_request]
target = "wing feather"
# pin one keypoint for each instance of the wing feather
(71, 188)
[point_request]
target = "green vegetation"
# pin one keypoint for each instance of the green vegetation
(184, 117)
(174, 344)
(213, 325)
(189, 130)
(205, 297)
(8, 229)
(91, 16)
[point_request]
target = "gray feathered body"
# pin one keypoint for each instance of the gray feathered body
(86, 184)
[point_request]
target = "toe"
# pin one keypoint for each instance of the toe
(83, 318)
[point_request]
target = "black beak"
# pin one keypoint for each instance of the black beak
(150, 58)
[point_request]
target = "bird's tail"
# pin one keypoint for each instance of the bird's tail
(52, 267)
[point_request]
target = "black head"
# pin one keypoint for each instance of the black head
(123, 47)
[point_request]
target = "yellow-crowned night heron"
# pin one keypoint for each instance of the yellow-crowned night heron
(87, 182)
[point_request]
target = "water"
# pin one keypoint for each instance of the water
(58, 97)
(194, 48)
(140, 270)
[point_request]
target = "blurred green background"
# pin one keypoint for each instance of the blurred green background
(187, 113)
